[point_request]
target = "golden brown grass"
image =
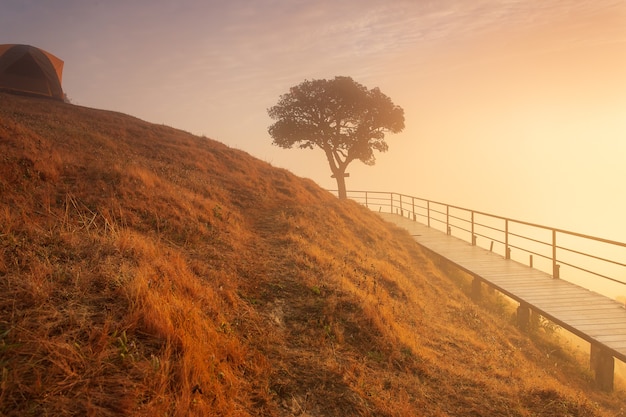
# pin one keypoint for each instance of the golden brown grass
(146, 271)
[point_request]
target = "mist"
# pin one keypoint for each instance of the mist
(529, 125)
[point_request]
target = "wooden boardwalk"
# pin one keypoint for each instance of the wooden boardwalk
(591, 316)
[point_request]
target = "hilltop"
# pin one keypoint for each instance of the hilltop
(147, 271)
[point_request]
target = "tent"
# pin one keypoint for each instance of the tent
(29, 70)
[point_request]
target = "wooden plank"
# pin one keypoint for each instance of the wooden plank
(540, 288)
(547, 299)
(599, 336)
(615, 342)
(620, 347)
(515, 276)
(592, 303)
(597, 329)
(562, 307)
(548, 295)
(522, 282)
(546, 284)
(613, 338)
(563, 310)
(602, 316)
(589, 308)
(496, 266)
(574, 321)
(504, 268)
(587, 302)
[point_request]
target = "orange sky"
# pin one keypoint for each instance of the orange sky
(527, 122)
(514, 107)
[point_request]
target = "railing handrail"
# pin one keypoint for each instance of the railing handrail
(407, 203)
(496, 216)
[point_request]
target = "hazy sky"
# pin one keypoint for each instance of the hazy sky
(516, 107)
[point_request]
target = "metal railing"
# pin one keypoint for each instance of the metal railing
(546, 248)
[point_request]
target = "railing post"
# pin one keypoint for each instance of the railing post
(413, 208)
(428, 211)
(555, 266)
(448, 231)
(391, 204)
(366, 200)
(476, 289)
(473, 235)
(400, 202)
(523, 316)
(507, 250)
(603, 366)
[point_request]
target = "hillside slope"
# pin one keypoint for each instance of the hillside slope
(146, 271)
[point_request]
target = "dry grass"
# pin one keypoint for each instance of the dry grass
(145, 271)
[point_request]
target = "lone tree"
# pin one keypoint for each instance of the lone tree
(340, 116)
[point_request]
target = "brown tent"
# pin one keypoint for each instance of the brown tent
(29, 70)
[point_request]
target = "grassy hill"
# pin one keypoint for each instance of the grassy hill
(147, 271)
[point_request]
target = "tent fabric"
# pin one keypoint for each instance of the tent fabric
(30, 70)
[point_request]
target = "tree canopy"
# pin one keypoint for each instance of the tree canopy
(340, 116)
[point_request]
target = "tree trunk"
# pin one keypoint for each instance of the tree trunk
(341, 186)
(339, 173)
